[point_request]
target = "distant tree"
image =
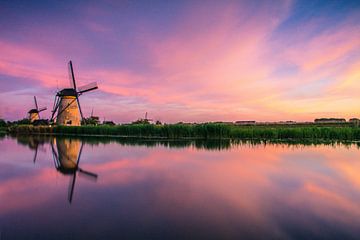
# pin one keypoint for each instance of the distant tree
(3, 123)
(41, 122)
(158, 122)
(22, 121)
(90, 121)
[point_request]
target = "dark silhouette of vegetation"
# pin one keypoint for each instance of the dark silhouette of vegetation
(3, 126)
(141, 121)
(3, 123)
(210, 144)
(92, 120)
(20, 122)
(41, 122)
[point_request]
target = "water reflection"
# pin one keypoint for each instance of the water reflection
(33, 142)
(200, 144)
(152, 190)
(67, 160)
(66, 154)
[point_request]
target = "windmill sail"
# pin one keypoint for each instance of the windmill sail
(88, 87)
(35, 154)
(42, 109)
(90, 175)
(36, 105)
(72, 81)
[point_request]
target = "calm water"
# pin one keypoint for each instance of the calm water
(177, 190)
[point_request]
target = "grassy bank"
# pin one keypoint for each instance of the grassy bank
(201, 131)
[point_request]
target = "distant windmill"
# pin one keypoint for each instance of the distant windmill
(66, 160)
(147, 120)
(34, 114)
(66, 107)
(93, 120)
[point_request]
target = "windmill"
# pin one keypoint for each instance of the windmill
(146, 114)
(93, 120)
(67, 109)
(66, 160)
(146, 119)
(34, 114)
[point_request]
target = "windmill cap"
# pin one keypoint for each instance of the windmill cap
(67, 92)
(33, 111)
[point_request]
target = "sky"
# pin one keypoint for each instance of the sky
(189, 61)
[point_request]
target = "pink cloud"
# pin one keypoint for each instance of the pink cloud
(216, 63)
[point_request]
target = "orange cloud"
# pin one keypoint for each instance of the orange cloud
(219, 62)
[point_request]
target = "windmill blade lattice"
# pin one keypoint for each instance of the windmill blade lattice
(87, 88)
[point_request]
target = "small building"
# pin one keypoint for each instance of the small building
(245, 122)
(286, 122)
(111, 123)
(330, 120)
(225, 123)
(354, 120)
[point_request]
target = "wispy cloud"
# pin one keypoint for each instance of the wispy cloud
(195, 62)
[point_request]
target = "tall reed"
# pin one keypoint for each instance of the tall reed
(203, 131)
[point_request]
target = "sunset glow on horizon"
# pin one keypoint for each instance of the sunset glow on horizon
(190, 61)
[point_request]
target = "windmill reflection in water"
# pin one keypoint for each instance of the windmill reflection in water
(34, 143)
(67, 159)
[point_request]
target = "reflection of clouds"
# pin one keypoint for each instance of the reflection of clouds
(254, 189)
(337, 205)
(28, 191)
(250, 181)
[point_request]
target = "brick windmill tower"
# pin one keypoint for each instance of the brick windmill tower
(34, 114)
(67, 109)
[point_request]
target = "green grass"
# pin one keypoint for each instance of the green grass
(201, 131)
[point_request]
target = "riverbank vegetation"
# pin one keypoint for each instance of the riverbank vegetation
(200, 131)
(3, 126)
